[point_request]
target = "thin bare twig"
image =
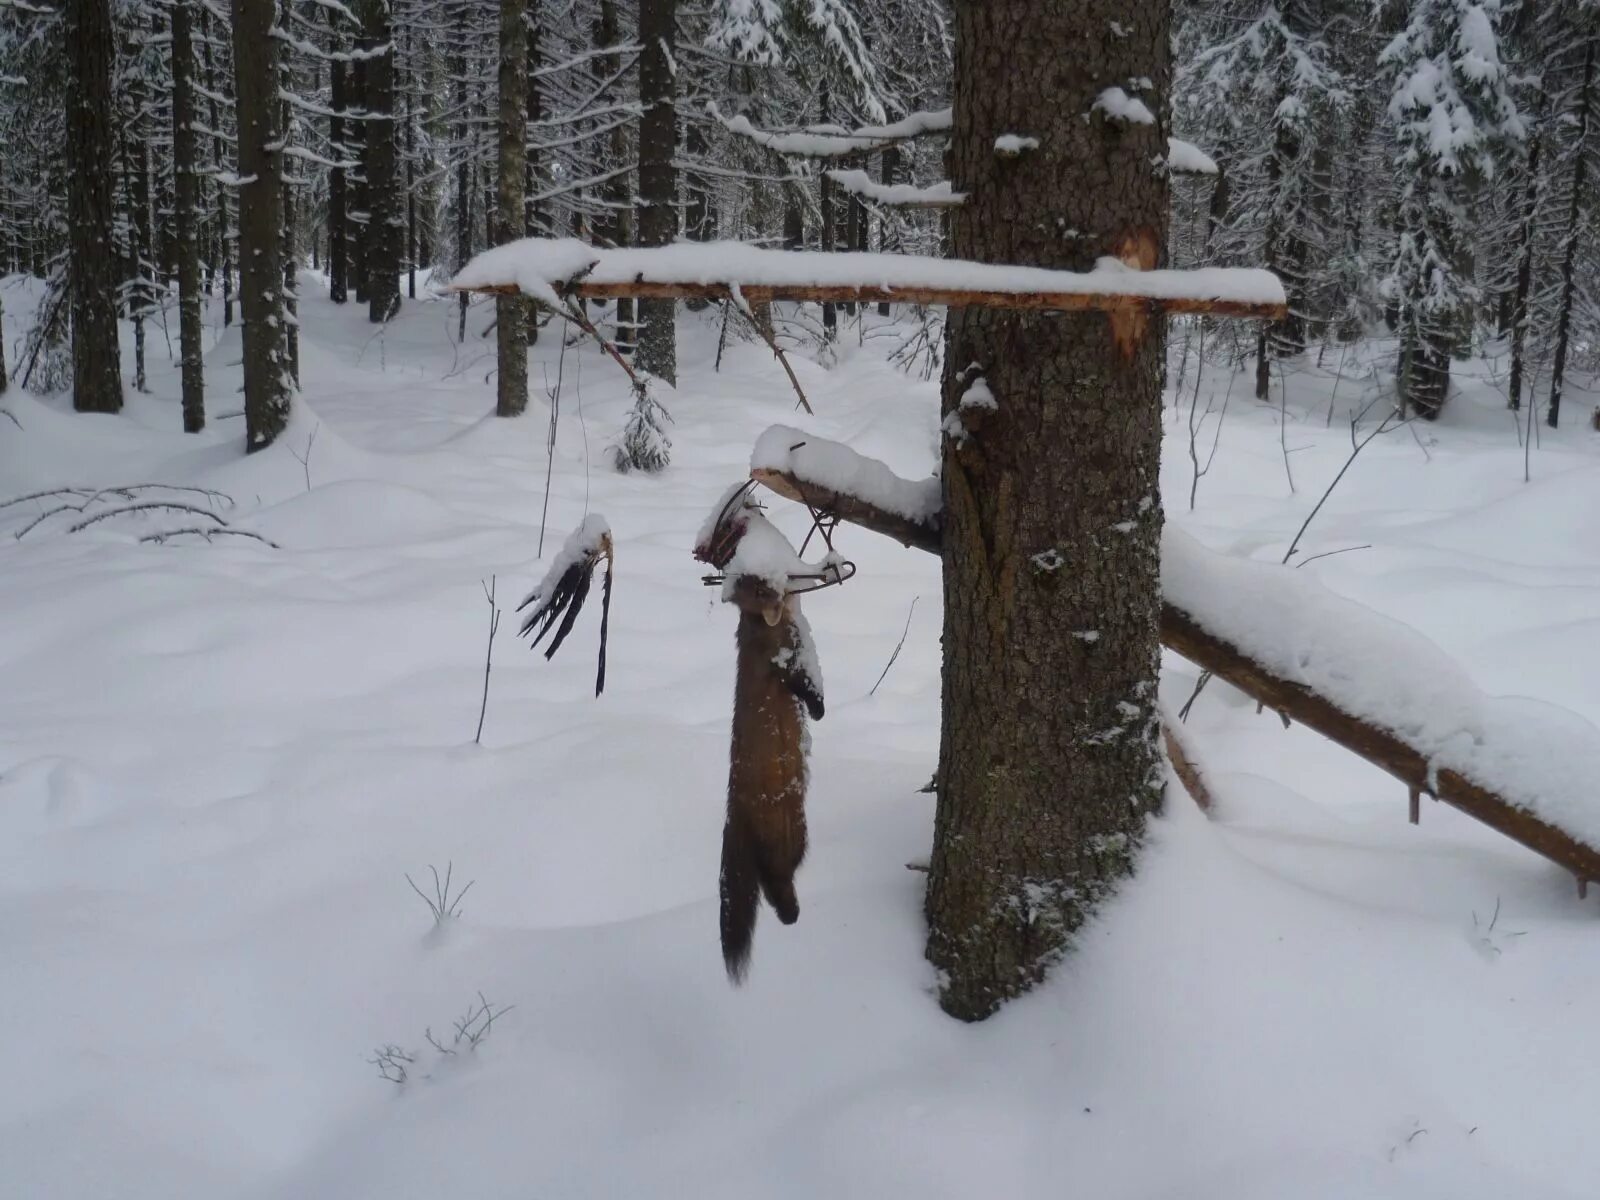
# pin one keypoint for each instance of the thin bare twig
(143, 506)
(766, 336)
(160, 538)
(900, 645)
(488, 662)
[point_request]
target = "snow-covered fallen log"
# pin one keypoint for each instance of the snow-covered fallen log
(552, 269)
(1363, 680)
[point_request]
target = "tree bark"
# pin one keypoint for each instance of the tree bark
(91, 263)
(658, 178)
(338, 247)
(1569, 253)
(255, 66)
(616, 227)
(511, 312)
(219, 153)
(1049, 757)
(186, 217)
(1519, 298)
(383, 193)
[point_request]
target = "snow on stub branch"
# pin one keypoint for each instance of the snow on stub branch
(1188, 159)
(547, 269)
(838, 468)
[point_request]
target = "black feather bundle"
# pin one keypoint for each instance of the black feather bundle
(561, 595)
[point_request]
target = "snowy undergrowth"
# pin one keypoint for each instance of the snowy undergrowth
(218, 763)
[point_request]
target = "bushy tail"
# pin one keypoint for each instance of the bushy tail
(740, 891)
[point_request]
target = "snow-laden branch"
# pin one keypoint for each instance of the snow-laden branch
(835, 141)
(898, 195)
(548, 269)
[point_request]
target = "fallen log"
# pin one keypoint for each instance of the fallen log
(1181, 633)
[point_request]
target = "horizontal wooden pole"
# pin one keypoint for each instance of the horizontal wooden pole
(863, 294)
(1181, 633)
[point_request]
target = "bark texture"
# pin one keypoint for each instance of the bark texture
(1580, 185)
(383, 193)
(92, 255)
(658, 178)
(1049, 759)
(186, 203)
(255, 65)
(511, 316)
(338, 248)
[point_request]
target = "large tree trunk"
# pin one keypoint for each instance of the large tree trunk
(255, 67)
(383, 198)
(658, 178)
(511, 316)
(92, 259)
(1569, 253)
(1049, 760)
(186, 217)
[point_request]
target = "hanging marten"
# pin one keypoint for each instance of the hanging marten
(764, 838)
(777, 684)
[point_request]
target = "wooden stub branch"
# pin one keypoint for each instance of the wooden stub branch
(755, 294)
(1181, 633)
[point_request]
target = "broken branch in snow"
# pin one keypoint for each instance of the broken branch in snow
(864, 492)
(1183, 765)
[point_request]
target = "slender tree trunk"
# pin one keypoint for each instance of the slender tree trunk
(383, 200)
(291, 254)
(463, 176)
(889, 172)
(186, 217)
(358, 216)
(616, 228)
(533, 217)
(511, 316)
(1569, 252)
(91, 263)
(1049, 761)
(219, 156)
(255, 65)
(411, 196)
(1519, 297)
(658, 178)
(830, 315)
(338, 234)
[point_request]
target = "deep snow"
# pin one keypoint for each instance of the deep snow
(218, 763)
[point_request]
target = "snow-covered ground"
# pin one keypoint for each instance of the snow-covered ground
(218, 763)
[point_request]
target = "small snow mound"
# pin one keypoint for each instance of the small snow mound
(355, 512)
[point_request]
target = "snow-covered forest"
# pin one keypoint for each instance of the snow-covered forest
(1224, 378)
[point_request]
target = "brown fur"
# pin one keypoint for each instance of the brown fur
(764, 839)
